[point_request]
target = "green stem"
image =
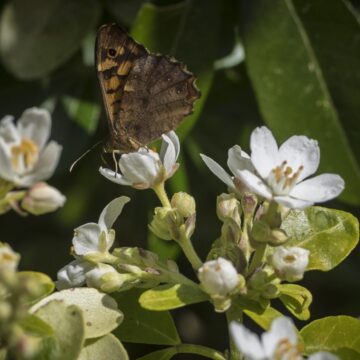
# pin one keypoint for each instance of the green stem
(199, 350)
(161, 194)
(189, 251)
(257, 258)
(271, 216)
(234, 314)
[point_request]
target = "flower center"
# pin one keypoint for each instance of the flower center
(283, 178)
(289, 259)
(24, 156)
(286, 350)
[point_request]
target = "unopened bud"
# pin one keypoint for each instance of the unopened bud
(228, 206)
(165, 222)
(184, 203)
(278, 237)
(105, 278)
(8, 258)
(248, 203)
(42, 199)
(260, 231)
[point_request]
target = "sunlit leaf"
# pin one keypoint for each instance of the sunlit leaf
(296, 299)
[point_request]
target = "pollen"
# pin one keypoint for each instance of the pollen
(24, 155)
(283, 178)
(286, 350)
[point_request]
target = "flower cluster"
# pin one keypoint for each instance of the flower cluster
(26, 160)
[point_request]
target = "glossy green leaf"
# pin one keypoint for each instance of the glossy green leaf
(69, 330)
(302, 58)
(265, 318)
(33, 43)
(296, 299)
(144, 326)
(165, 354)
(100, 310)
(167, 297)
(107, 347)
(329, 234)
(33, 325)
(337, 334)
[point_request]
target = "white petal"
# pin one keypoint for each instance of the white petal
(114, 177)
(72, 275)
(111, 212)
(46, 165)
(319, 188)
(247, 342)
(323, 355)
(6, 171)
(35, 124)
(281, 328)
(292, 203)
(168, 153)
(239, 160)
(300, 151)
(140, 168)
(86, 238)
(174, 140)
(264, 151)
(8, 130)
(254, 183)
(217, 170)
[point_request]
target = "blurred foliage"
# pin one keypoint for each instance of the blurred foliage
(291, 64)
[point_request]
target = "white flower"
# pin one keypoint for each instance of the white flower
(9, 259)
(42, 198)
(73, 274)
(145, 168)
(290, 262)
(279, 173)
(25, 158)
(218, 277)
(279, 343)
(98, 238)
(104, 277)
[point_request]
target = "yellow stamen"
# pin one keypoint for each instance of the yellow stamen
(27, 151)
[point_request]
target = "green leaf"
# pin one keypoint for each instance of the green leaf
(144, 326)
(165, 354)
(167, 297)
(44, 285)
(337, 334)
(297, 300)
(33, 325)
(33, 43)
(100, 311)
(302, 59)
(265, 318)
(69, 330)
(187, 37)
(107, 347)
(329, 234)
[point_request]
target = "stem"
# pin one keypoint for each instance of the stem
(271, 216)
(161, 194)
(189, 251)
(199, 350)
(234, 314)
(257, 258)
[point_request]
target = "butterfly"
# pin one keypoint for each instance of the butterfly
(145, 94)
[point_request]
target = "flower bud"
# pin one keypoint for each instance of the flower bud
(8, 258)
(184, 203)
(105, 278)
(228, 206)
(218, 277)
(290, 263)
(163, 222)
(278, 237)
(248, 203)
(41, 199)
(260, 231)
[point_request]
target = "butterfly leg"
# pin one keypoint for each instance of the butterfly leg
(115, 161)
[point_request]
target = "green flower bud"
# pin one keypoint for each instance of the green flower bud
(228, 206)
(184, 203)
(248, 203)
(160, 223)
(270, 291)
(8, 258)
(105, 278)
(260, 231)
(278, 237)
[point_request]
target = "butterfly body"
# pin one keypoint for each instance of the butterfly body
(145, 94)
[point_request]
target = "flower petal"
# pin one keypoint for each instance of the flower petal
(35, 124)
(217, 170)
(247, 342)
(254, 183)
(168, 153)
(86, 238)
(281, 328)
(113, 176)
(111, 212)
(323, 355)
(239, 160)
(6, 171)
(8, 130)
(292, 203)
(140, 167)
(72, 275)
(320, 188)
(173, 138)
(264, 151)
(300, 151)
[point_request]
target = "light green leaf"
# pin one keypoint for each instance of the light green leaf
(100, 311)
(144, 326)
(297, 300)
(302, 58)
(337, 334)
(165, 354)
(167, 297)
(107, 347)
(69, 330)
(329, 234)
(33, 43)
(265, 318)
(44, 285)
(33, 325)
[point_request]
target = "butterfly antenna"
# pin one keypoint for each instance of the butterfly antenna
(84, 154)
